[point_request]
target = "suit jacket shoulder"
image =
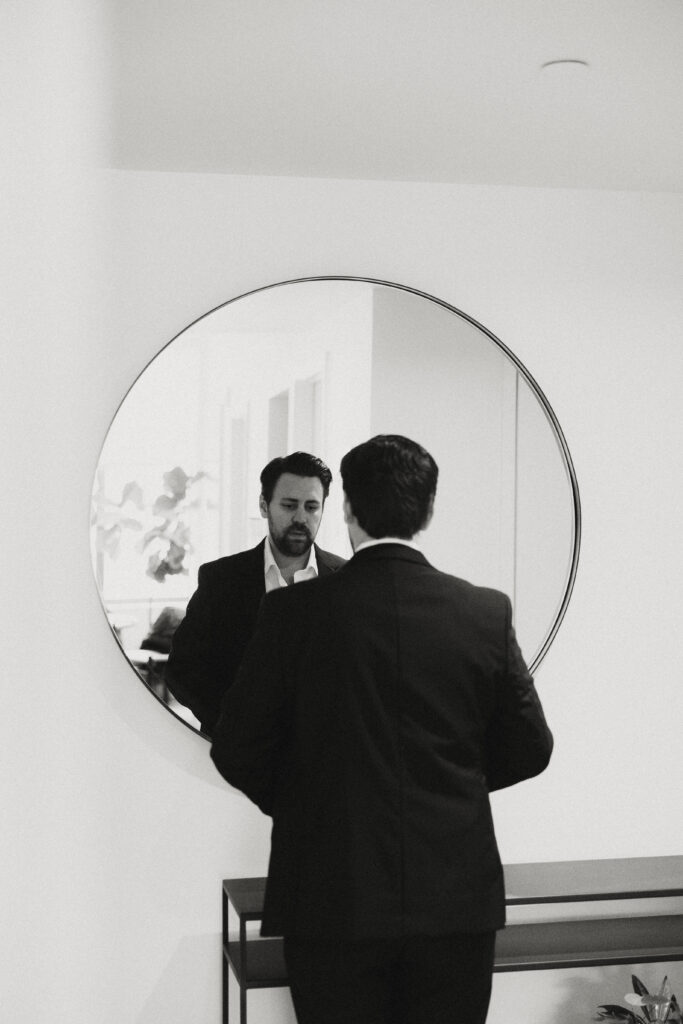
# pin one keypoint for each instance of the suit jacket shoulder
(250, 563)
(209, 643)
(327, 560)
(243, 563)
(483, 600)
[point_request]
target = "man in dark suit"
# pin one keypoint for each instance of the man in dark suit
(374, 712)
(209, 643)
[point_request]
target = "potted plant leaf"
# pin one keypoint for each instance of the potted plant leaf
(661, 1008)
(170, 539)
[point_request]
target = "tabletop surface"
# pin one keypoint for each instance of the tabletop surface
(620, 878)
(543, 882)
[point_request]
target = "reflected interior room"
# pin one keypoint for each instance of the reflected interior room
(240, 228)
(271, 373)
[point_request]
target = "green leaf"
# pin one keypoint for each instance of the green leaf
(646, 1000)
(132, 524)
(164, 505)
(642, 991)
(176, 481)
(109, 540)
(156, 531)
(638, 986)
(132, 492)
(612, 1012)
(181, 535)
(665, 989)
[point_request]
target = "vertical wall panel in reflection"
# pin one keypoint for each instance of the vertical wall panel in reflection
(438, 380)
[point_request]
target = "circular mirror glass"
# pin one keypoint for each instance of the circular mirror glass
(320, 365)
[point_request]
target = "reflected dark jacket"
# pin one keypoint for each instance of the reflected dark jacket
(373, 713)
(209, 643)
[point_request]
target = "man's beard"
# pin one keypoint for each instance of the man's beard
(293, 546)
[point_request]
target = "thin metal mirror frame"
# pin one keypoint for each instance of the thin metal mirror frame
(545, 405)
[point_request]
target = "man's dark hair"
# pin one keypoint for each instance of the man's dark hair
(298, 463)
(390, 482)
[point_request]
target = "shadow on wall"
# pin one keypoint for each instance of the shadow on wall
(186, 991)
(189, 990)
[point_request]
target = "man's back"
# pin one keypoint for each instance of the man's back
(383, 703)
(372, 715)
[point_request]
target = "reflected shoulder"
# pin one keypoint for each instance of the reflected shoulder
(232, 564)
(328, 559)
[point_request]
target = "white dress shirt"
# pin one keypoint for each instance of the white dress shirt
(273, 576)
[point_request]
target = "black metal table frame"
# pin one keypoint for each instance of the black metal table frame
(590, 941)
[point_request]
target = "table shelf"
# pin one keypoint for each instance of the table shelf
(263, 966)
(589, 942)
(570, 881)
(547, 945)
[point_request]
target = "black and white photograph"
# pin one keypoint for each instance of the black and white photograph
(341, 390)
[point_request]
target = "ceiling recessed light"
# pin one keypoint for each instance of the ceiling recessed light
(565, 64)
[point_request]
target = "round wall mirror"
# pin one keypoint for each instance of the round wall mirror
(319, 365)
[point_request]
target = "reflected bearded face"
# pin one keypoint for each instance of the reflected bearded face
(294, 513)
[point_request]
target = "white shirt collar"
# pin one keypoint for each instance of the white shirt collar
(271, 570)
(388, 540)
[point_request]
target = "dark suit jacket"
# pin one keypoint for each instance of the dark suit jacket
(374, 711)
(209, 643)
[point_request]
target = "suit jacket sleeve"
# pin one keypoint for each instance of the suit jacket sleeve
(518, 742)
(192, 675)
(251, 730)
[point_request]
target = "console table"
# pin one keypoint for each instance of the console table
(583, 942)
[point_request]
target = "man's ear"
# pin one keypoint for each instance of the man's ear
(348, 511)
(263, 507)
(430, 513)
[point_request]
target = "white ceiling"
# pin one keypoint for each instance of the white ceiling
(425, 90)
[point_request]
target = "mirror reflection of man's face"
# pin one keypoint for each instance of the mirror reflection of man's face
(294, 513)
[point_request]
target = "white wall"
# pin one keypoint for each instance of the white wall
(116, 827)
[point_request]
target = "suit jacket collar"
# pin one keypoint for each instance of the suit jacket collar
(252, 563)
(322, 557)
(382, 552)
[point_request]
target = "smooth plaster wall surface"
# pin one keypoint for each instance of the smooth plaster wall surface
(124, 829)
(117, 830)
